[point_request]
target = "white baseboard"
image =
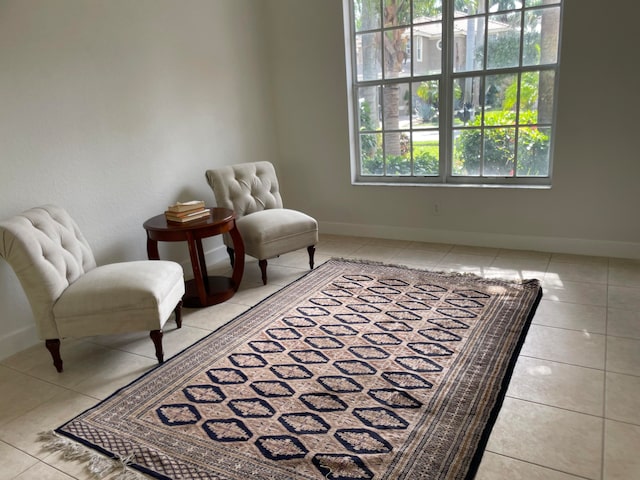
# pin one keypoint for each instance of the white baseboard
(14, 342)
(576, 246)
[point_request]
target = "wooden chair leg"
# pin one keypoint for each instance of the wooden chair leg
(232, 256)
(178, 313)
(263, 269)
(312, 250)
(53, 345)
(156, 336)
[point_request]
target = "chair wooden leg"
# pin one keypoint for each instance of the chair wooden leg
(263, 269)
(178, 313)
(312, 250)
(53, 345)
(232, 256)
(156, 336)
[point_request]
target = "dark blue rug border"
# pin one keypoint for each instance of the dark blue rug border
(477, 458)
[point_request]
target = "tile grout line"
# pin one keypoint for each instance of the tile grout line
(562, 363)
(604, 390)
(546, 467)
(554, 406)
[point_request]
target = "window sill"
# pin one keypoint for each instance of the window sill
(452, 185)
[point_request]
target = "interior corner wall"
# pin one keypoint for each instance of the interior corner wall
(592, 205)
(115, 109)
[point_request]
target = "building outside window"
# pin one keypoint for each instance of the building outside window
(418, 42)
(473, 102)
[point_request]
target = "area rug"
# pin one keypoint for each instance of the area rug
(356, 371)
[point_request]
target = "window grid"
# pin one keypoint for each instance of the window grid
(379, 137)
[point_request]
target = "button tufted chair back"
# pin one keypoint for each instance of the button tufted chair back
(246, 188)
(267, 228)
(71, 296)
(48, 253)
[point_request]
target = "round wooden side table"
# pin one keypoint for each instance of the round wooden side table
(203, 290)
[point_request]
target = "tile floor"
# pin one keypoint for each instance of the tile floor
(572, 409)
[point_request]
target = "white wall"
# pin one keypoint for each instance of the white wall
(592, 207)
(115, 109)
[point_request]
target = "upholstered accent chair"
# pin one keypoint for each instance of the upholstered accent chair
(71, 296)
(267, 228)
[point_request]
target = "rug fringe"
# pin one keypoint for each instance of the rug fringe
(98, 465)
(526, 282)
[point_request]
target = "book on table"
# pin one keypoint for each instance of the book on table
(186, 213)
(182, 212)
(181, 207)
(187, 216)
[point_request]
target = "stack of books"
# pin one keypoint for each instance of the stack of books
(182, 212)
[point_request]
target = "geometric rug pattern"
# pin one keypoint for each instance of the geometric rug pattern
(356, 371)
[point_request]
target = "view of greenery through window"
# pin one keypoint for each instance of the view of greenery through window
(454, 91)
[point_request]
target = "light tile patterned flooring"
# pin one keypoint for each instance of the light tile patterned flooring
(572, 409)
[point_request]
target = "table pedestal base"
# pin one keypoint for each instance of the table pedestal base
(220, 289)
(202, 290)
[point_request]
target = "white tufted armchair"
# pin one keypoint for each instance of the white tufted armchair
(72, 297)
(268, 230)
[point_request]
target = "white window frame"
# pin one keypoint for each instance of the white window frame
(445, 176)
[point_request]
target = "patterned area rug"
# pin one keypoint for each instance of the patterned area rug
(356, 371)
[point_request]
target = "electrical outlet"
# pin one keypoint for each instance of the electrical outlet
(436, 209)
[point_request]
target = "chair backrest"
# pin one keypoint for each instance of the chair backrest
(246, 187)
(47, 251)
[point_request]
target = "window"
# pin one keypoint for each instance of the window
(472, 102)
